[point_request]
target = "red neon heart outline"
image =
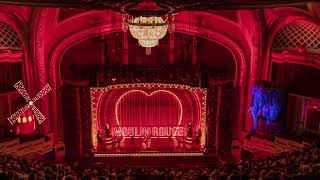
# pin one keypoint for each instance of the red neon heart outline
(166, 91)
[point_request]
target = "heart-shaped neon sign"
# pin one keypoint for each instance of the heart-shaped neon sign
(169, 93)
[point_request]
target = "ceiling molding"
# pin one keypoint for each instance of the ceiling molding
(171, 5)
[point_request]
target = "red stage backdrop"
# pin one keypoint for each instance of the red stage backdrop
(155, 110)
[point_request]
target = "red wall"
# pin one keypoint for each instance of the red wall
(85, 52)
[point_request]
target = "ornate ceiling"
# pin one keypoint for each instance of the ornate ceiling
(163, 6)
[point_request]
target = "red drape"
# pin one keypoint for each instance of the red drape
(313, 120)
(10, 73)
(160, 108)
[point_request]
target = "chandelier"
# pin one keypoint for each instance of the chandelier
(148, 30)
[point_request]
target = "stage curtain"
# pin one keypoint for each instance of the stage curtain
(70, 126)
(297, 79)
(226, 120)
(139, 109)
(313, 120)
(85, 119)
(10, 73)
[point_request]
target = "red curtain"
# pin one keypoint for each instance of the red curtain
(137, 108)
(313, 120)
(10, 73)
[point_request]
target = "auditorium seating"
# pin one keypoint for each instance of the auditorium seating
(259, 145)
(299, 164)
(27, 146)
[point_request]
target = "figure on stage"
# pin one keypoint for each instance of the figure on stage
(99, 136)
(189, 129)
(198, 136)
(146, 144)
(107, 129)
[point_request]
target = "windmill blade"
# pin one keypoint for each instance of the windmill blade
(22, 90)
(41, 93)
(39, 116)
(13, 118)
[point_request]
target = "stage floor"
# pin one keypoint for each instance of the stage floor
(147, 162)
(160, 146)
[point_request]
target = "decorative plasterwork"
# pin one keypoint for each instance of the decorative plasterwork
(168, 5)
(308, 59)
(11, 57)
(9, 38)
(277, 25)
(298, 35)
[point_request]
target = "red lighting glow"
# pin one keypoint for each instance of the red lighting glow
(153, 93)
(25, 123)
(163, 112)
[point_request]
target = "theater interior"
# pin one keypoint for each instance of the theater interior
(159, 89)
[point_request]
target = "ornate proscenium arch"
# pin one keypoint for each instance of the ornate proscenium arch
(81, 28)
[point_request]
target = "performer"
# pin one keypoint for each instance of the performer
(99, 136)
(149, 142)
(199, 133)
(107, 129)
(189, 129)
(198, 136)
(146, 144)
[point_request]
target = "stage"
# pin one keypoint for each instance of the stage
(148, 119)
(159, 147)
(147, 162)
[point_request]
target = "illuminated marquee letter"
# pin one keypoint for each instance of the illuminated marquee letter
(161, 133)
(155, 131)
(137, 132)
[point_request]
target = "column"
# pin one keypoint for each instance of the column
(171, 47)
(125, 59)
(102, 50)
(79, 119)
(194, 50)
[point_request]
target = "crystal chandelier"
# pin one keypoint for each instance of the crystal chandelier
(148, 30)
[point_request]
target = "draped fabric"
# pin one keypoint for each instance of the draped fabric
(160, 108)
(298, 79)
(213, 96)
(85, 119)
(10, 73)
(313, 120)
(147, 107)
(70, 122)
(226, 120)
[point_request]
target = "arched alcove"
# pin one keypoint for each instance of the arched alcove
(12, 70)
(298, 35)
(294, 60)
(11, 57)
(295, 49)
